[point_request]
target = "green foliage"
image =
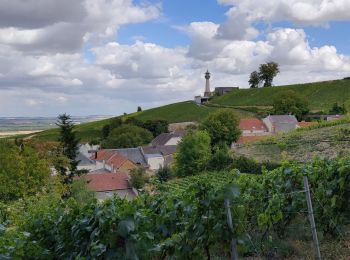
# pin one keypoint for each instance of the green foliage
(138, 178)
(139, 109)
(290, 102)
(221, 159)
(193, 153)
(337, 109)
(80, 192)
(267, 72)
(22, 172)
(185, 219)
(222, 126)
(156, 127)
(164, 174)
(127, 136)
(69, 143)
(254, 79)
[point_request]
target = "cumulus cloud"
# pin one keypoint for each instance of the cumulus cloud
(43, 67)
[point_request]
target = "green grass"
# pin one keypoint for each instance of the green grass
(321, 95)
(173, 113)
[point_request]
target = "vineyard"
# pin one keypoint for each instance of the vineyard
(188, 219)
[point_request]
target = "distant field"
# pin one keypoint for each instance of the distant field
(173, 113)
(321, 95)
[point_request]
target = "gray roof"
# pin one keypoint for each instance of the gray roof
(133, 154)
(83, 160)
(164, 150)
(282, 119)
(163, 138)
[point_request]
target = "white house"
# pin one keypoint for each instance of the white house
(280, 123)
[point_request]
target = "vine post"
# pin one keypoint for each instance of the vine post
(234, 255)
(311, 217)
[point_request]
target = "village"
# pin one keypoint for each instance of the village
(108, 170)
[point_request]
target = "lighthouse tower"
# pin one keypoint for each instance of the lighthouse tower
(207, 92)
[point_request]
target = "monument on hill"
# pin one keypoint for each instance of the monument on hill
(207, 92)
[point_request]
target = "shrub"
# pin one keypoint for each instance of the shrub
(164, 174)
(138, 178)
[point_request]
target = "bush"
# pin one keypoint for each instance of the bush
(221, 159)
(164, 174)
(127, 136)
(138, 178)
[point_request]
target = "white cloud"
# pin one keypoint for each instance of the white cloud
(42, 64)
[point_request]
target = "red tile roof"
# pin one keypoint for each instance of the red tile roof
(251, 124)
(106, 181)
(111, 158)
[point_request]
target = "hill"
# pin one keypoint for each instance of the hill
(325, 140)
(173, 113)
(321, 95)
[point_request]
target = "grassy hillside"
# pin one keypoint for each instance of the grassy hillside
(321, 95)
(326, 141)
(173, 113)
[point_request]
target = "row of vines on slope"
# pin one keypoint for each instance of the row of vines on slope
(187, 222)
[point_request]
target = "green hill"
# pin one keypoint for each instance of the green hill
(321, 95)
(173, 113)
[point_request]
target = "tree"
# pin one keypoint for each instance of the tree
(139, 109)
(222, 126)
(105, 131)
(221, 159)
(127, 136)
(156, 126)
(193, 153)
(254, 79)
(22, 172)
(337, 109)
(69, 144)
(138, 178)
(164, 174)
(267, 72)
(290, 102)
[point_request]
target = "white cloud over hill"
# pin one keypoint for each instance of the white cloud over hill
(44, 44)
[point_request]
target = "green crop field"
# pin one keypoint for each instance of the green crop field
(173, 113)
(327, 140)
(321, 95)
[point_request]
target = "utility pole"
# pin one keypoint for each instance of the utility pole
(311, 217)
(234, 255)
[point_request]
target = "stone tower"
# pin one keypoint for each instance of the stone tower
(207, 92)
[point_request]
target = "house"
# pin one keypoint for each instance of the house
(107, 184)
(133, 154)
(83, 157)
(280, 123)
(201, 100)
(85, 163)
(252, 126)
(220, 91)
(172, 138)
(334, 117)
(112, 161)
(159, 156)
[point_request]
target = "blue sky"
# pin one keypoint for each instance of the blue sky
(115, 55)
(182, 12)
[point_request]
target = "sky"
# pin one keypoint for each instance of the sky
(107, 57)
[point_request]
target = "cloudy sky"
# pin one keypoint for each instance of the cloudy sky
(107, 57)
